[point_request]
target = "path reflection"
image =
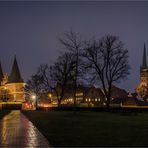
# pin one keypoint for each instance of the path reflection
(17, 131)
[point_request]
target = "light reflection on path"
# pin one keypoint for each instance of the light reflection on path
(17, 131)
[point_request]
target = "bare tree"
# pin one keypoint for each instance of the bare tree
(72, 42)
(107, 60)
(34, 85)
(39, 83)
(61, 73)
(44, 73)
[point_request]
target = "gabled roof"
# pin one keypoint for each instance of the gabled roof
(118, 92)
(1, 73)
(15, 76)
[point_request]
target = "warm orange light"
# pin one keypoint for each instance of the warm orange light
(26, 104)
(33, 97)
(45, 105)
(49, 95)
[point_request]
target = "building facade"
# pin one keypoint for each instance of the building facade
(12, 86)
(90, 97)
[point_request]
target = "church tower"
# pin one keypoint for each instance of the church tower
(142, 89)
(1, 74)
(144, 68)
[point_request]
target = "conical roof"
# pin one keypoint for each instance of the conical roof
(144, 62)
(1, 73)
(15, 76)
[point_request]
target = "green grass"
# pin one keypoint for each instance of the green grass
(91, 128)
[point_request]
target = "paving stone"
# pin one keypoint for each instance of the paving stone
(16, 131)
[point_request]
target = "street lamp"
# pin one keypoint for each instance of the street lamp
(34, 98)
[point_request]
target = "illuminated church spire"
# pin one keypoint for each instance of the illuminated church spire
(144, 62)
(1, 73)
(15, 76)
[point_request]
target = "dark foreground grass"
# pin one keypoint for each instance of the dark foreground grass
(3, 113)
(91, 128)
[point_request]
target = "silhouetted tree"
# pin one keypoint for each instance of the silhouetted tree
(61, 73)
(107, 61)
(44, 73)
(39, 83)
(72, 42)
(34, 85)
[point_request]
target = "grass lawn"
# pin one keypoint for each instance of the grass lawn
(91, 128)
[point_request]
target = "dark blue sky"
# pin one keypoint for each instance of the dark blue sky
(31, 31)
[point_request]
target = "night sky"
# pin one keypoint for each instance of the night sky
(31, 31)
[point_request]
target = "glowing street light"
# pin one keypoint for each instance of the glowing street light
(50, 95)
(34, 98)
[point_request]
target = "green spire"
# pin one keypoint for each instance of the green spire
(144, 62)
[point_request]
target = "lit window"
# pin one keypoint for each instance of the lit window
(96, 99)
(89, 100)
(104, 103)
(86, 100)
(99, 99)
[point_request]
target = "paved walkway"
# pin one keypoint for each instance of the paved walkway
(17, 131)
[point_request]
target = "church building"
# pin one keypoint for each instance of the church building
(12, 86)
(142, 89)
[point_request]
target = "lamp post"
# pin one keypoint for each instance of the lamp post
(34, 98)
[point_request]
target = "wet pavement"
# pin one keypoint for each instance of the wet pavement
(16, 131)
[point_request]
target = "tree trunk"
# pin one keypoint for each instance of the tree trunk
(108, 103)
(76, 75)
(75, 91)
(108, 98)
(59, 102)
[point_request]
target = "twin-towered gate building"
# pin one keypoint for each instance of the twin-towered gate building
(12, 86)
